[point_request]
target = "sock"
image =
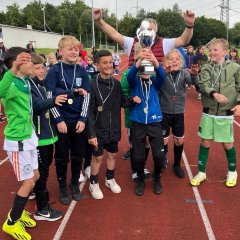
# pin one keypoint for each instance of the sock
(109, 174)
(231, 157)
(178, 154)
(17, 209)
(147, 149)
(93, 179)
(202, 158)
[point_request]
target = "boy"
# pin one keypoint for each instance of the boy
(146, 118)
(20, 139)
(91, 68)
(116, 62)
(71, 116)
(104, 122)
(47, 135)
(220, 88)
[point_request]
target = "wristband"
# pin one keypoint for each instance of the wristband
(189, 26)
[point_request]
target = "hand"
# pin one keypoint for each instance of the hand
(62, 127)
(80, 126)
(194, 69)
(167, 68)
(81, 91)
(220, 98)
(189, 18)
(97, 14)
(22, 58)
(60, 99)
(94, 143)
(236, 111)
(151, 58)
(137, 99)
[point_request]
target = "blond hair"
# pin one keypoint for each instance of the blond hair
(68, 40)
(36, 59)
(223, 42)
(166, 58)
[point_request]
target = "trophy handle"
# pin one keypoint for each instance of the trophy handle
(137, 33)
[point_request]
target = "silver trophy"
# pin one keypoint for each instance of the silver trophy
(146, 38)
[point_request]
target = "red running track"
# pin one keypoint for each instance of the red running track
(172, 215)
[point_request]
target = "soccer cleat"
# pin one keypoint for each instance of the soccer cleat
(178, 171)
(27, 220)
(200, 177)
(231, 179)
(48, 214)
(95, 191)
(111, 183)
(17, 230)
(139, 189)
(63, 196)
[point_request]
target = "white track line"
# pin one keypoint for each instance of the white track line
(199, 202)
(237, 123)
(67, 216)
(3, 161)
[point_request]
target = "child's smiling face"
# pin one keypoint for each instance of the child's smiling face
(175, 61)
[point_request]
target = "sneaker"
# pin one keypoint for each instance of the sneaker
(134, 176)
(27, 220)
(76, 195)
(178, 171)
(126, 155)
(147, 174)
(16, 230)
(95, 191)
(48, 214)
(157, 186)
(2, 120)
(88, 172)
(81, 178)
(31, 195)
(111, 183)
(63, 196)
(231, 179)
(200, 177)
(139, 189)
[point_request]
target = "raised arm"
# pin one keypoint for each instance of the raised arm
(184, 39)
(106, 28)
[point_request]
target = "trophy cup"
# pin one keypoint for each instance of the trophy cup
(146, 39)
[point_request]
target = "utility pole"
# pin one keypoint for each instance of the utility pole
(117, 20)
(44, 19)
(224, 16)
(93, 29)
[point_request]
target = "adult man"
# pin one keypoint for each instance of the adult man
(166, 44)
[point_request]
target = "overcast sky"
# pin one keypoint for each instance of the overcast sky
(208, 8)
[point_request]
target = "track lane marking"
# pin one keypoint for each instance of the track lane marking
(201, 207)
(67, 216)
(236, 123)
(3, 161)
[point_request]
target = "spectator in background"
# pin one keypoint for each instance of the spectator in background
(91, 68)
(30, 47)
(189, 57)
(51, 60)
(94, 52)
(233, 55)
(116, 62)
(44, 59)
(80, 61)
(82, 52)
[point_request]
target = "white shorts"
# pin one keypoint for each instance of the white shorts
(24, 163)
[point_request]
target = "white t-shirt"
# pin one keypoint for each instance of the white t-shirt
(25, 145)
(168, 44)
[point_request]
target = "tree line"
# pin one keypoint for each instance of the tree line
(76, 19)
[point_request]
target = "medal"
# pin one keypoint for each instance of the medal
(145, 110)
(100, 108)
(174, 98)
(70, 101)
(47, 115)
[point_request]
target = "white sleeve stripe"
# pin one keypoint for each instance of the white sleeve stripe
(54, 110)
(85, 106)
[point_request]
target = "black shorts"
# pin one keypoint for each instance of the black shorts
(174, 121)
(110, 147)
